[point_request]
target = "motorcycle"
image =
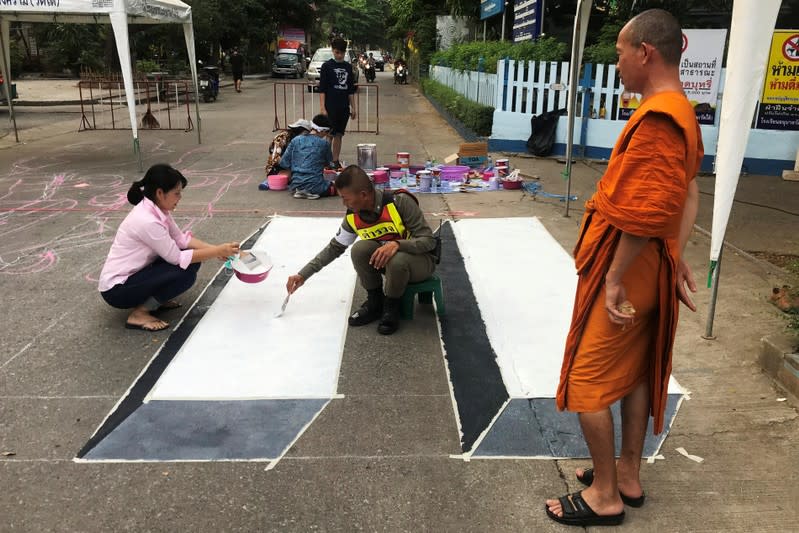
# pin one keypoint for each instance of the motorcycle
(401, 75)
(369, 72)
(208, 79)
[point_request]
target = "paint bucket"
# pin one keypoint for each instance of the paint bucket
(425, 180)
(404, 159)
(278, 182)
(395, 179)
(329, 175)
(503, 167)
(367, 156)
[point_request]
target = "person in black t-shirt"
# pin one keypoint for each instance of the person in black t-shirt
(237, 64)
(337, 94)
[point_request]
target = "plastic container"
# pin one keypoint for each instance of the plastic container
(488, 175)
(392, 166)
(252, 274)
(403, 159)
(329, 175)
(425, 180)
(414, 169)
(453, 172)
(278, 182)
(381, 176)
(511, 184)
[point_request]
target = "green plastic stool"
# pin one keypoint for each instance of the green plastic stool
(426, 290)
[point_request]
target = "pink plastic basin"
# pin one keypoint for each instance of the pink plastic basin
(256, 275)
(453, 172)
(278, 182)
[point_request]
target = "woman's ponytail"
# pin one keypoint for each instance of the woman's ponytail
(135, 193)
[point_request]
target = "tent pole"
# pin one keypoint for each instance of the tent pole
(714, 292)
(7, 73)
(574, 69)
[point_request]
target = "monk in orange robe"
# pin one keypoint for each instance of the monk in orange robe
(631, 275)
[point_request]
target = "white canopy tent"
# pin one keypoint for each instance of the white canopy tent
(119, 13)
(750, 37)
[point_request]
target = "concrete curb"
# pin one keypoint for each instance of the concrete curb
(780, 361)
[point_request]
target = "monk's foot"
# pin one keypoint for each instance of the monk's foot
(586, 508)
(629, 482)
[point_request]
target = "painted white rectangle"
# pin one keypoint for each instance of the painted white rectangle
(239, 350)
(525, 298)
(524, 283)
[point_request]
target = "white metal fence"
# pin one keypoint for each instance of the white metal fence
(531, 88)
(480, 87)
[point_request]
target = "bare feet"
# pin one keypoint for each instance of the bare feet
(168, 305)
(629, 482)
(142, 319)
(602, 505)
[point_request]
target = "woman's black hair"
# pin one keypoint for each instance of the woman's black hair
(160, 176)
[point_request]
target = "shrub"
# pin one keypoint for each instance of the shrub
(466, 56)
(476, 117)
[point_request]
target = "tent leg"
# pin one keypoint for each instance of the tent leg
(7, 76)
(137, 153)
(714, 292)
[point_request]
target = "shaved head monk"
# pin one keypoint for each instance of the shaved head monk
(631, 274)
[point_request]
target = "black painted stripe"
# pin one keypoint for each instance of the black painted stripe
(474, 372)
(152, 374)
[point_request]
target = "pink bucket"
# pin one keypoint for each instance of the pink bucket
(453, 172)
(278, 182)
(381, 176)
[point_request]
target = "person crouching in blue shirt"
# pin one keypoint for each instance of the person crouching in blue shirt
(305, 158)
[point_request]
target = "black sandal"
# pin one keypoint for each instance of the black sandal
(588, 477)
(578, 513)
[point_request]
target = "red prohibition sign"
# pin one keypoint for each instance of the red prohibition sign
(790, 48)
(685, 42)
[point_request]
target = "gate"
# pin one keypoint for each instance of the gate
(294, 101)
(160, 104)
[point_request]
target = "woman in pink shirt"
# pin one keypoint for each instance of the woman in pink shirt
(151, 261)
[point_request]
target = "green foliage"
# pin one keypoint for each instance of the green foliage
(476, 117)
(74, 46)
(143, 66)
(466, 56)
(604, 48)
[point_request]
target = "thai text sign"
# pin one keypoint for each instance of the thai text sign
(700, 74)
(526, 20)
(779, 104)
(489, 8)
(700, 70)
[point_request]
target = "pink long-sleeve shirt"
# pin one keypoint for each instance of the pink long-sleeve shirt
(146, 234)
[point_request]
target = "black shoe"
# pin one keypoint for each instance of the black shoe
(370, 310)
(389, 322)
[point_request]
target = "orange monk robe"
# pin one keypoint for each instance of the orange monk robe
(642, 193)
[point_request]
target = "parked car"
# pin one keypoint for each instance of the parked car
(289, 62)
(380, 63)
(322, 55)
